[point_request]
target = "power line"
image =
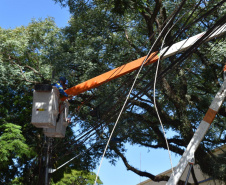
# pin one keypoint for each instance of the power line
(93, 129)
(131, 91)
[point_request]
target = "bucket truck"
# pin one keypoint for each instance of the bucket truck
(46, 102)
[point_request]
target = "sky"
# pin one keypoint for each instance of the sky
(16, 13)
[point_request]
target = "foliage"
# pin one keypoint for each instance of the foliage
(106, 34)
(29, 55)
(103, 35)
(78, 178)
(12, 142)
(13, 147)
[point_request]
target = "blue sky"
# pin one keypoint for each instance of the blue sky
(15, 13)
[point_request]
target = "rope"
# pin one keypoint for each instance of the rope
(156, 74)
(92, 129)
(141, 67)
(53, 170)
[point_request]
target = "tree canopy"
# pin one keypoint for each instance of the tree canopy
(112, 33)
(28, 55)
(103, 35)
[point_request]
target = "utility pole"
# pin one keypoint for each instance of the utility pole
(47, 161)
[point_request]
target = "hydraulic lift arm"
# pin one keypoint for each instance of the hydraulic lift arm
(129, 67)
(188, 156)
(110, 75)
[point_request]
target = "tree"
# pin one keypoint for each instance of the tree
(78, 178)
(72, 178)
(29, 55)
(103, 35)
(13, 146)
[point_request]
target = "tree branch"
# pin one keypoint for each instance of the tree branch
(138, 172)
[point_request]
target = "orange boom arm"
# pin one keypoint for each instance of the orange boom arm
(127, 68)
(110, 75)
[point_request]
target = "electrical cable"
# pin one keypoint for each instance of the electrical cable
(115, 73)
(179, 60)
(116, 90)
(155, 104)
(186, 27)
(154, 94)
(158, 117)
(155, 99)
(173, 14)
(92, 129)
(130, 93)
(53, 170)
(92, 134)
(176, 35)
(202, 39)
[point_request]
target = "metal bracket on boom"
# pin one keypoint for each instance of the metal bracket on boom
(191, 163)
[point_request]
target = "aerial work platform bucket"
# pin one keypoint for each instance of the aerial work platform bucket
(45, 107)
(58, 131)
(60, 128)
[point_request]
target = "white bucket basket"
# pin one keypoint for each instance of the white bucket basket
(65, 113)
(60, 129)
(45, 108)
